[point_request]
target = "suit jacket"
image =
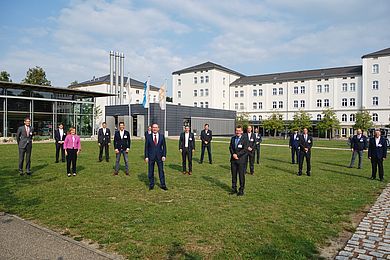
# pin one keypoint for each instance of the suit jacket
(305, 144)
(104, 138)
(21, 136)
(191, 141)
(58, 137)
(359, 144)
(241, 149)
(251, 141)
(153, 151)
(258, 139)
(146, 133)
(379, 151)
(68, 143)
(206, 137)
(294, 142)
(122, 143)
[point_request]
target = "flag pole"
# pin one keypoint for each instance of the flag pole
(148, 99)
(165, 110)
(130, 97)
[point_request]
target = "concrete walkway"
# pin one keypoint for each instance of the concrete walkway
(372, 237)
(20, 239)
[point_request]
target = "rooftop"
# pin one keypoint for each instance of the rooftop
(384, 52)
(207, 66)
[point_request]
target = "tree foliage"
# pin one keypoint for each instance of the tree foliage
(274, 122)
(4, 76)
(363, 120)
(75, 82)
(36, 76)
(329, 122)
(243, 120)
(301, 120)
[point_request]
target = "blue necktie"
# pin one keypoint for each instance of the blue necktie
(237, 140)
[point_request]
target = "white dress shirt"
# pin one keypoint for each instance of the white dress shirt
(122, 133)
(186, 137)
(61, 131)
(377, 141)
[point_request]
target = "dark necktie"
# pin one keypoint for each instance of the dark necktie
(155, 139)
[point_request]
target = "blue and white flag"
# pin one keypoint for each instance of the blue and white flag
(145, 101)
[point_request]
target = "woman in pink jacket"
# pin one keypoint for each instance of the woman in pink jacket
(72, 148)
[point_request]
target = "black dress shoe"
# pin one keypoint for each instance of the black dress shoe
(151, 187)
(240, 193)
(308, 173)
(350, 166)
(372, 178)
(29, 173)
(164, 188)
(233, 192)
(100, 160)
(21, 173)
(211, 162)
(57, 161)
(381, 179)
(299, 173)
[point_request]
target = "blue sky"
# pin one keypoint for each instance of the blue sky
(71, 39)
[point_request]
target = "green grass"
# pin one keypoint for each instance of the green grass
(281, 216)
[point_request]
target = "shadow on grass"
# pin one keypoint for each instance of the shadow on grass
(226, 167)
(177, 251)
(143, 177)
(36, 168)
(218, 183)
(277, 160)
(345, 173)
(289, 171)
(175, 167)
(335, 164)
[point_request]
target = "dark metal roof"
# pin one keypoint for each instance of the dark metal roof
(106, 80)
(52, 89)
(207, 66)
(384, 52)
(300, 75)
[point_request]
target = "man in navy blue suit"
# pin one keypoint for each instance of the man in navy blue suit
(377, 152)
(305, 145)
(155, 152)
(122, 146)
(294, 145)
(59, 136)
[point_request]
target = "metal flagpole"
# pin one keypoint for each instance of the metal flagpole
(148, 99)
(165, 110)
(130, 98)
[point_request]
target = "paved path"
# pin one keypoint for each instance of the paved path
(20, 239)
(372, 237)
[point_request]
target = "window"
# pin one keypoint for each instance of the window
(241, 93)
(344, 118)
(179, 82)
(254, 105)
(375, 101)
(280, 91)
(207, 79)
(206, 104)
(236, 93)
(260, 118)
(319, 117)
(326, 88)
(295, 90)
(302, 103)
(201, 104)
(375, 85)
(236, 106)
(195, 80)
(255, 92)
(179, 94)
(352, 117)
(195, 92)
(201, 79)
(274, 91)
(201, 92)
(326, 102)
(137, 91)
(352, 102)
(274, 104)
(344, 102)
(375, 117)
(319, 103)
(224, 81)
(260, 92)
(303, 90)
(295, 103)
(260, 105)
(280, 104)
(242, 106)
(254, 118)
(375, 68)
(195, 104)
(344, 87)
(223, 94)
(319, 88)
(206, 92)
(352, 87)
(343, 132)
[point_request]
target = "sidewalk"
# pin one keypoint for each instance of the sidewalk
(372, 237)
(20, 239)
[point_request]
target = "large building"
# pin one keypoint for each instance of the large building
(344, 89)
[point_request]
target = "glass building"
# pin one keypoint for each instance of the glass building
(46, 106)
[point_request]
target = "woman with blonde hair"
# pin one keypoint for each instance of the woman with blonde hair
(72, 148)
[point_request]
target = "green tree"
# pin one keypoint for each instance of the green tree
(4, 76)
(363, 120)
(243, 120)
(329, 122)
(74, 83)
(274, 122)
(36, 76)
(301, 120)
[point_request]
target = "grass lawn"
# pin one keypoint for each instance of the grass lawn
(281, 215)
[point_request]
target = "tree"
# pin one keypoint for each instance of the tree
(301, 120)
(74, 83)
(243, 120)
(274, 122)
(363, 120)
(329, 122)
(4, 76)
(36, 76)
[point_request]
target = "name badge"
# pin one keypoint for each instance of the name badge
(208, 134)
(251, 140)
(379, 145)
(125, 136)
(239, 146)
(190, 139)
(30, 133)
(309, 141)
(106, 133)
(361, 140)
(297, 138)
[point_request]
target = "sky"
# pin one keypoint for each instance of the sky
(71, 39)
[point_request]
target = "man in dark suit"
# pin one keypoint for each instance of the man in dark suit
(251, 150)
(24, 137)
(122, 146)
(377, 152)
(155, 152)
(358, 145)
(294, 146)
(305, 145)
(149, 131)
(187, 147)
(258, 141)
(206, 135)
(59, 136)
(239, 155)
(104, 140)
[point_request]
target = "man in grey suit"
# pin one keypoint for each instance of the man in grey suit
(24, 137)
